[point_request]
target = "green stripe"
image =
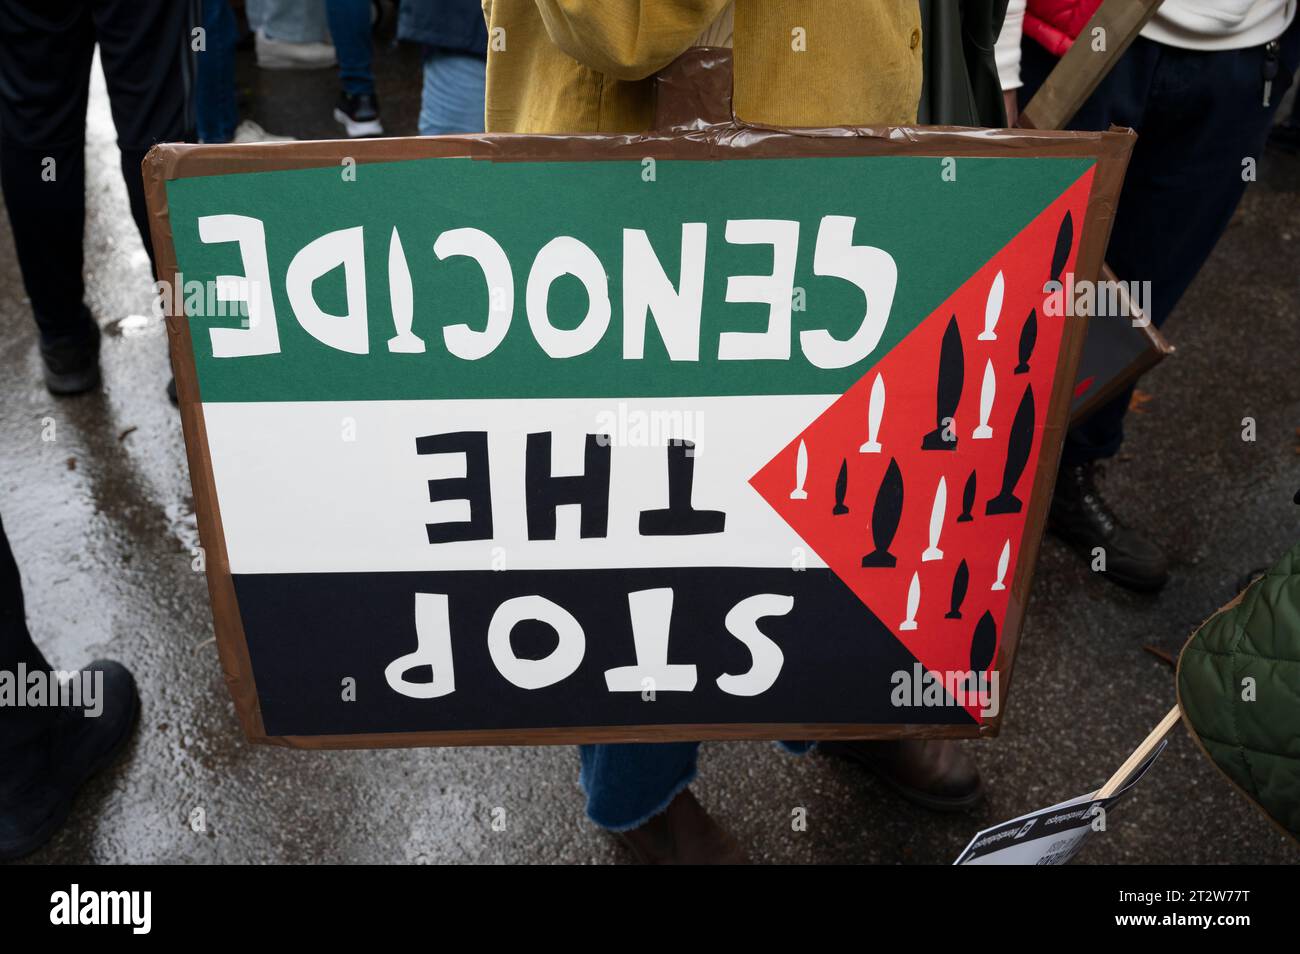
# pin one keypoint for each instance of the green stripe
(939, 233)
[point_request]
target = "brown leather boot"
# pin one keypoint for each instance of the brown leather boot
(937, 774)
(683, 834)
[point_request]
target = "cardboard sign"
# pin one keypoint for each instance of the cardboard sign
(1051, 836)
(731, 433)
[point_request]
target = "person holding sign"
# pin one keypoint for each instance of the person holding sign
(585, 66)
(1200, 85)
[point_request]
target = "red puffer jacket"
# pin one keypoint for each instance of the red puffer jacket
(1054, 24)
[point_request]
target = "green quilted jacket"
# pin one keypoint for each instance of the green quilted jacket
(1239, 689)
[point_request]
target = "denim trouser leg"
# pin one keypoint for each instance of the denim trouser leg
(452, 100)
(628, 784)
(291, 21)
(217, 113)
(350, 27)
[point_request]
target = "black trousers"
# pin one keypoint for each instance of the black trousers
(1197, 116)
(16, 646)
(46, 49)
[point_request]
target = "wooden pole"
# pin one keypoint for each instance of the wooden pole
(1140, 754)
(1082, 67)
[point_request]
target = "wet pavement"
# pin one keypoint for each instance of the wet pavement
(100, 519)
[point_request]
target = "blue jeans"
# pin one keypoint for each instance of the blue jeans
(346, 22)
(1197, 115)
(452, 100)
(628, 784)
(350, 27)
(216, 112)
(291, 21)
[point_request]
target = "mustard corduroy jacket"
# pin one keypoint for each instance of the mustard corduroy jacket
(577, 66)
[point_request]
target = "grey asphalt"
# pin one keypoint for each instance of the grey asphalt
(102, 524)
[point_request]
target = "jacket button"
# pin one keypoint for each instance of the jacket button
(916, 38)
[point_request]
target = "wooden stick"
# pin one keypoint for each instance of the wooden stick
(1158, 342)
(1140, 754)
(1074, 78)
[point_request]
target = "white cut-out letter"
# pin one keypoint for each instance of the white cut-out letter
(561, 663)
(347, 332)
(676, 311)
(432, 649)
(462, 340)
(873, 270)
(774, 290)
(565, 255)
(652, 612)
(254, 287)
(742, 622)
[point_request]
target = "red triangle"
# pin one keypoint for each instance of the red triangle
(910, 373)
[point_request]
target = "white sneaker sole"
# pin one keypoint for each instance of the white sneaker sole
(272, 55)
(277, 63)
(358, 129)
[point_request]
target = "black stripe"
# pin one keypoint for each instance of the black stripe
(307, 632)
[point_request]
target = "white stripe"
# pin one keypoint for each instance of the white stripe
(297, 496)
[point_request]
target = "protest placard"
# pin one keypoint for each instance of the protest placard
(722, 433)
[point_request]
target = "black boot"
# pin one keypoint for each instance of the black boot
(40, 776)
(1081, 518)
(73, 367)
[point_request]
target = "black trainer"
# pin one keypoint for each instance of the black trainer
(39, 778)
(359, 114)
(1081, 518)
(73, 368)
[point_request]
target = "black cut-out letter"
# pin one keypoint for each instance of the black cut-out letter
(475, 487)
(679, 518)
(589, 490)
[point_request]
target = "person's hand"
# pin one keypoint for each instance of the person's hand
(1013, 107)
